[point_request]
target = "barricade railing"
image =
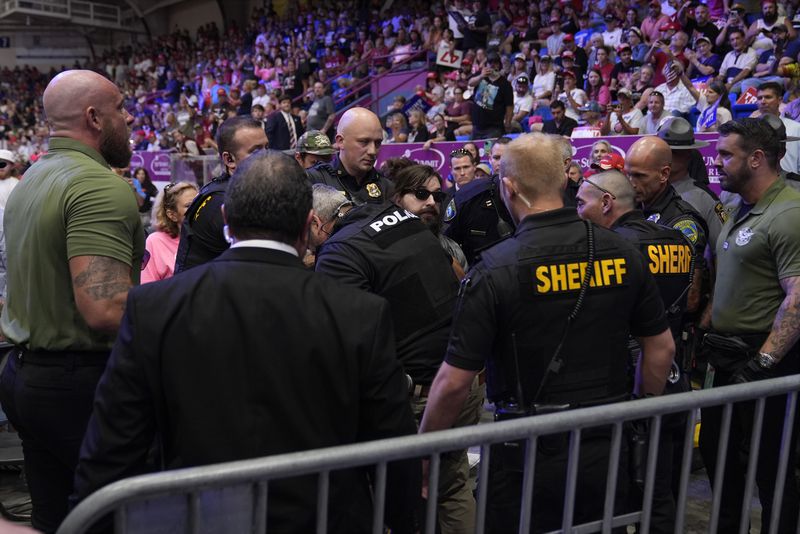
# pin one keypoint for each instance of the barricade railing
(134, 502)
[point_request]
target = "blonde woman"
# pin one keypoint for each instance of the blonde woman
(161, 246)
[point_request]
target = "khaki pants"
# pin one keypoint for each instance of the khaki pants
(456, 506)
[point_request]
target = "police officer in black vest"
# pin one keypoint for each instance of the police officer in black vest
(388, 251)
(607, 199)
(202, 237)
(512, 317)
(648, 165)
(475, 218)
(358, 136)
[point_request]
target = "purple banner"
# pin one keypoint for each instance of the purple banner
(438, 156)
(155, 163)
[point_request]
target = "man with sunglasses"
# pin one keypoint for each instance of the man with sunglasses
(607, 199)
(475, 216)
(419, 191)
(7, 179)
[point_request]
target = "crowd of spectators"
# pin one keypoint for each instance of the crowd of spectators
(614, 66)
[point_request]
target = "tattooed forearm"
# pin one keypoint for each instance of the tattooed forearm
(104, 278)
(786, 327)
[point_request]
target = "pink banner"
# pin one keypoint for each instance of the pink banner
(438, 156)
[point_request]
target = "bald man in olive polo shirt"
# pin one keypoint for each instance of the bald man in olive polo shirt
(75, 243)
(757, 304)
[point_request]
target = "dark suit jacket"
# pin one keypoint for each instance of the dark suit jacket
(251, 355)
(566, 127)
(278, 130)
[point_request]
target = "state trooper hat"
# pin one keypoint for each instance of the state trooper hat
(678, 134)
(315, 142)
(777, 124)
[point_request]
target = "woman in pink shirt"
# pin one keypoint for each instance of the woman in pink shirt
(161, 246)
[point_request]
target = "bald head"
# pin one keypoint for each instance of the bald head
(69, 94)
(653, 150)
(648, 165)
(605, 197)
(359, 137)
(85, 106)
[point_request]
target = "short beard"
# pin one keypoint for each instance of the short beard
(434, 224)
(115, 149)
(770, 19)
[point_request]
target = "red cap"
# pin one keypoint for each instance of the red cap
(671, 25)
(431, 75)
(466, 61)
(610, 161)
(569, 73)
(622, 47)
(568, 38)
(588, 172)
(221, 91)
(568, 54)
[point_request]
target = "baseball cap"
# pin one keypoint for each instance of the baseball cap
(671, 25)
(610, 161)
(7, 155)
(702, 38)
(568, 38)
(623, 46)
(609, 17)
(738, 7)
(566, 54)
(315, 142)
(624, 91)
(545, 58)
(485, 168)
(591, 106)
(521, 57)
(431, 75)
(569, 73)
(221, 91)
(522, 79)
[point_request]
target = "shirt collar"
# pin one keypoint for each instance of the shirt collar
(548, 218)
(66, 143)
(267, 243)
(768, 196)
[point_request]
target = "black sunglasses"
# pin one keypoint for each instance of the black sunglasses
(606, 191)
(3, 164)
(423, 194)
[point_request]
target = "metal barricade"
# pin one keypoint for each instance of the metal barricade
(234, 496)
(195, 169)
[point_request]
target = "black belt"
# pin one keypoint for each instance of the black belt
(46, 357)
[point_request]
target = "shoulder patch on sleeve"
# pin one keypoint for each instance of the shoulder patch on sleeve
(689, 229)
(450, 211)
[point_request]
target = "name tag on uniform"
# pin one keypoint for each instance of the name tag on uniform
(566, 277)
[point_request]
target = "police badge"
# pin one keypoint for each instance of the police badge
(373, 190)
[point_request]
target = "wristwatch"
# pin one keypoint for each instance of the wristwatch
(766, 360)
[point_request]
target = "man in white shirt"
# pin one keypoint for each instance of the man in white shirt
(7, 181)
(523, 102)
(613, 35)
(770, 96)
(677, 97)
(738, 63)
(623, 119)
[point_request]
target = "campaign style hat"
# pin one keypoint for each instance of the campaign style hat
(678, 134)
(775, 123)
(315, 142)
(609, 162)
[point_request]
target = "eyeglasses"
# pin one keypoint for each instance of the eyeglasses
(606, 191)
(4, 164)
(424, 194)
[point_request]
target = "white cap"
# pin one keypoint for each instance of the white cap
(7, 155)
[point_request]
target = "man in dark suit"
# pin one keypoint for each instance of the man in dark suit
(265, 353)
(283, 128)
(561, 124)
